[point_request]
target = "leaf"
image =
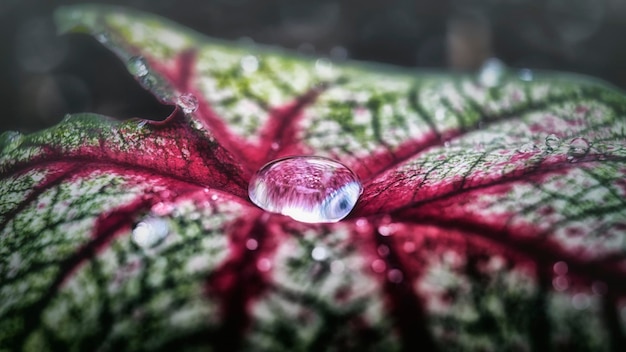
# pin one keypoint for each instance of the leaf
(492, 218)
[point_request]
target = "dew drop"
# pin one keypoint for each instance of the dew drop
(249, 63)
(560, 268)
(307, 188)
(560, 283)
(491, 73)
(264, 265)
(188, 102)
(137, 66)
(102, 37)
(383, 250)
(150, 232)
(581, 301)
(378, 266)
(578, 147)
(552, 142)
(337, 267)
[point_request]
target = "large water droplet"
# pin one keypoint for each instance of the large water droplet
(528, 148)
(307, 188)
(137, 66)
(553, 142)
(188, 102)
(150, 232)
(578, 147)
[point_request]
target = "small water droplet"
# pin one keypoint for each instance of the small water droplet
(150, 232)
(142, 123)
(10, 141)
(188, 102)
(528, 148)
(578, 147)
(319, 253)
(552, 141)
(252, 244)
(525, 74)
(491, 73)
(249, 63)
(560, 283)
(306, 188)
(395, 276)
(162, 208)
(148, 81)
(409, 247)
(214, 197)
(275, 146)
(137, 66)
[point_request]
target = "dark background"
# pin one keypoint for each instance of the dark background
(44, 76)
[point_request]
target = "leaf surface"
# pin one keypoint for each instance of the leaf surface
(492, 217)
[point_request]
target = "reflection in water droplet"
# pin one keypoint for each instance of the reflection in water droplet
(137, 66)
(395, 276)
(306, 188)
(150, 232)
(249, 63)
(188, 102)
(491, 73)
(528, 148)
(525, 74)
(552, 141)
(578, 147)
(319, 253)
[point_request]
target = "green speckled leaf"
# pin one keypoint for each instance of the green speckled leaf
(492, 216)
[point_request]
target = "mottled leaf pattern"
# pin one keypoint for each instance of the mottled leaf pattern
(492, 218)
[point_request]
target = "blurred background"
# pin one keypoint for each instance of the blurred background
(44, 76)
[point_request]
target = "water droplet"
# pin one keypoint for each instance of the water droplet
(142, 123)
(249, 63)
(188, 102)
(528, 148)
(10, 141)
(578, 147)
(395, 276)
(319, 253)
(252, 244)
(150, 232)
(525, 74)
(275, 146)
(409, 247)
(553, 142)
(137, 66)
(491, 72)
(307, 188)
